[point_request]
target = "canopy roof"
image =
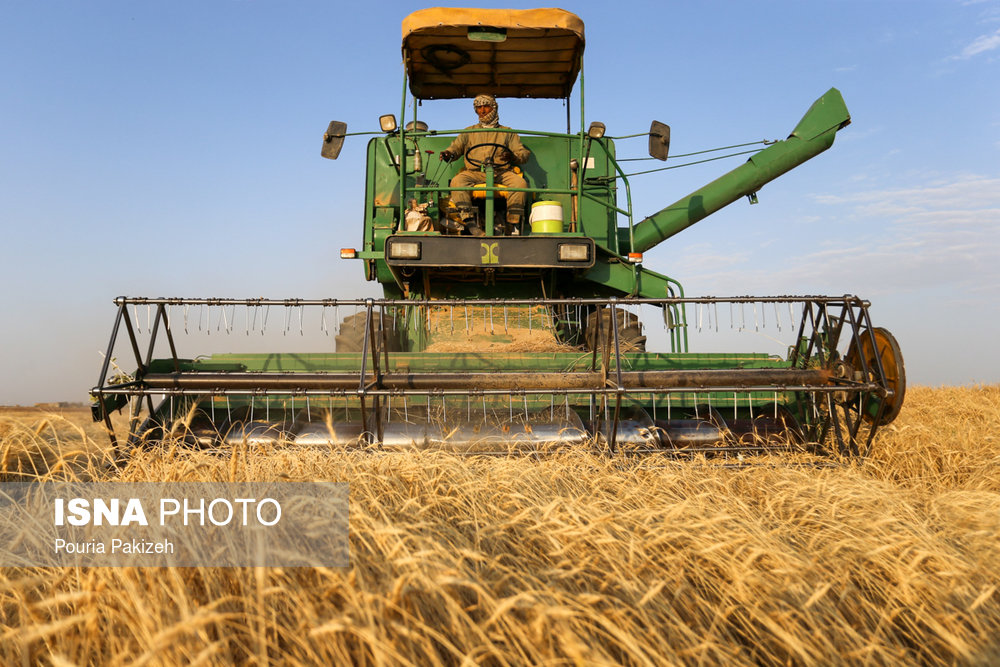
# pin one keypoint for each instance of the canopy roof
(454, 52)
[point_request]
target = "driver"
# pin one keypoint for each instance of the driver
(502, 148)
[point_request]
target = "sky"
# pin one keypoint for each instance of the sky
(172, 149)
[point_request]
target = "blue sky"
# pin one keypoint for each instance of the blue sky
(172, 149)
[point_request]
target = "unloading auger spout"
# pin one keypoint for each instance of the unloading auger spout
(813, 135)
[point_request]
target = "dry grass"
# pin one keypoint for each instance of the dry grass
(484, 329)
(573, 559)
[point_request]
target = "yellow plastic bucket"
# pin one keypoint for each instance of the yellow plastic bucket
(546, 217)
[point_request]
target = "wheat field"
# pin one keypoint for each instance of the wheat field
(571, 559)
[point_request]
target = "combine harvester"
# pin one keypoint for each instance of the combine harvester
(525, 335)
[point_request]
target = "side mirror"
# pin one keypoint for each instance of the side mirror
(659, 140)
(333, 139)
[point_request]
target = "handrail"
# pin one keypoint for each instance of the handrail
(577, 191)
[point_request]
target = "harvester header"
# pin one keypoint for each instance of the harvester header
(515, 295)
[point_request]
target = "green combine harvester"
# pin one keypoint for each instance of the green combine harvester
(505, 330)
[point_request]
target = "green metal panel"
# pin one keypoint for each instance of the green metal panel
(551, 362)
(556, 364)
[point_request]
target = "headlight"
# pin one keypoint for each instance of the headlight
(387, 122)
(404, 250)
(574, 252)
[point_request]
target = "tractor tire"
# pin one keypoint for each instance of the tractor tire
(351, 337)
(630, 338)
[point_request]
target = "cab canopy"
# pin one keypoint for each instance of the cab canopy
(454, 53)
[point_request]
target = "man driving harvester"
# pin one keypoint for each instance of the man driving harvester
(502, 149)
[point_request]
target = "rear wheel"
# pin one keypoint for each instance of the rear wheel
(351, 337)
(630, 337)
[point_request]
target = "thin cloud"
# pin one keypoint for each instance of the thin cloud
(945, 232)
(981, 44)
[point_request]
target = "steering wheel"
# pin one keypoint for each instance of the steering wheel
(480, 163)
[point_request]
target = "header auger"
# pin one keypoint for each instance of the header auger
(501, 332)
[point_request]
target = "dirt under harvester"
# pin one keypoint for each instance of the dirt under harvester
(504, 332)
